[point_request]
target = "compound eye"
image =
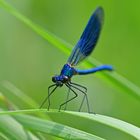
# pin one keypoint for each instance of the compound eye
(53, 79)
(65, 79)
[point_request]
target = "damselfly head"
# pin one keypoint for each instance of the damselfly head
(64, 78)
(60, 79)
(54, 79)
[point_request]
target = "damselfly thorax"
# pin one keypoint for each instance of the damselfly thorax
(65, 76)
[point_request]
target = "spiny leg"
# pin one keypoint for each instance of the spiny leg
(68, 93)
(70, 98)
(49, 94)
(85, 96)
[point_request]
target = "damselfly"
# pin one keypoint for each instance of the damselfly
(83, 48)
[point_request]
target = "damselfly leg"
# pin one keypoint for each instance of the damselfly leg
(70, 98)
(49, 94)
(68, 93)
(76, 86)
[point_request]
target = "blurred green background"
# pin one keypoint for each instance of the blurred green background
(29, 62)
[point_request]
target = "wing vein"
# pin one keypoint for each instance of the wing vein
(88, 39)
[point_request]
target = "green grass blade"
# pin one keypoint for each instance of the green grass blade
(3, 137)
(112, 122)
(59, 130)
(51, 38)
(116, 79)
(17, 97)
(12, 92)
(13, 96)
(13, 129)
(97, 124)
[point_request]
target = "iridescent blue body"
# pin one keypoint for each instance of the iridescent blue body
(83, 48)
(68, 71)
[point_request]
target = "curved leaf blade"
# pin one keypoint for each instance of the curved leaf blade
(13, 129)
(112, 122)
(96, 121)
(56, 129)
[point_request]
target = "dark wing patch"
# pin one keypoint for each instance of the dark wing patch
(88, 39)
